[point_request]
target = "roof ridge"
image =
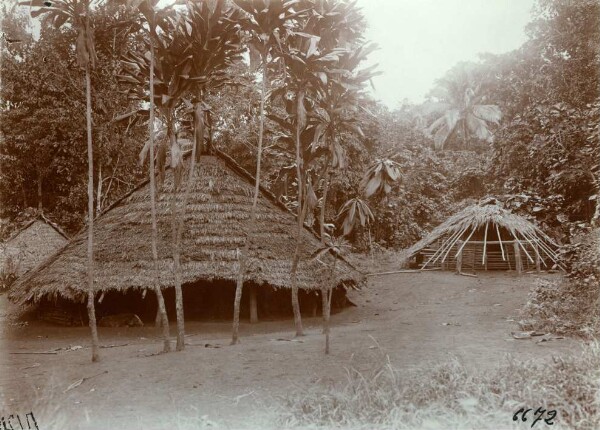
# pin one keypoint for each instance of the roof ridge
(38, 216)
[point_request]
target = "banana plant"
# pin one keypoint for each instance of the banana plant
(76, 13)
(265, 28)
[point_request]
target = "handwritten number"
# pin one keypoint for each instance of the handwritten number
(551, 416)
(516, 415)
(539, 413)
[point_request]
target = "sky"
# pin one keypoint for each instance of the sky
(420, 40)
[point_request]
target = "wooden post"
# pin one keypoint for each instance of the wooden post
(518, 261)
(253, 305)
(459, 258)
(537, 261)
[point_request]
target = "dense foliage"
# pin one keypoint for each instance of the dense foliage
(542, 161)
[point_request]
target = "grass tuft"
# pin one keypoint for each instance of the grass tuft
(454, 396)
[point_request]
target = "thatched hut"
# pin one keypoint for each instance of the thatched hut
(30, 245)
(485, 236)
(216, 223)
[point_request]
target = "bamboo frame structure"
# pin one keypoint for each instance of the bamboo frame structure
(527, 240)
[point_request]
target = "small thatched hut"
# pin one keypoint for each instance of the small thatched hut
(216, 223)
(485, 236)
(30, 245)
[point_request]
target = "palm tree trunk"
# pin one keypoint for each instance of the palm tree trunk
(327, 178)
(180, 219)
(300, 225)
(90, 248)
(464, 129)
(176, 253)
(162, 311)
(252, 225)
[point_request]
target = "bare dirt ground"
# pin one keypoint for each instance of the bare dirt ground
(414, 318)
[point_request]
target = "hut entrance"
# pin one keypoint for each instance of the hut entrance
(201, 301)
(214, 301)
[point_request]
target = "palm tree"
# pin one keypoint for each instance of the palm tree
(76, 13)
(154, 18)
(459, 103)
(338, 105)
(306, 58)
(265, 19)
(170, 66)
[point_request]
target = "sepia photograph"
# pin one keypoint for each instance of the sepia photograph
(299, 214)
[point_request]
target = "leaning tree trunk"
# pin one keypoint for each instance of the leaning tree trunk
(162, 311)
(300, 225)
(90, 248)
(252, 225)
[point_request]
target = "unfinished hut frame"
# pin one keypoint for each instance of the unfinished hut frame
(486, 236)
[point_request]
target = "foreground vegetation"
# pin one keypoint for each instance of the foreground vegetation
(453, 396)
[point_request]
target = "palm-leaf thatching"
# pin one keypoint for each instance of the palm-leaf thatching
(216, 222)
(30, 245)
(498, 226)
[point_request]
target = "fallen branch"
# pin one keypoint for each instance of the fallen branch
(82, 380)
(467, 274)
(401, 271)
(32, 366)
(114, 346)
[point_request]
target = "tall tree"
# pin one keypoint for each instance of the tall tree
(265, 27)
(171, 80)
(306, 64)
(76, 13)
(154, 18)
(192, 55)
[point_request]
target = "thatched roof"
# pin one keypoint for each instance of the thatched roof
(216, 222)
(490, 216)
(30, 245)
